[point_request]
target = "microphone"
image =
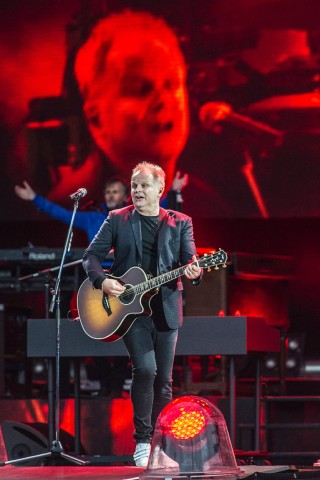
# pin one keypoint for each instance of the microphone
(81, 192)
(214, 112)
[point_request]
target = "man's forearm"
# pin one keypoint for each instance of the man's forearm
(93, 269)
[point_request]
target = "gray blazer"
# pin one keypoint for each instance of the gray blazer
(122, 232)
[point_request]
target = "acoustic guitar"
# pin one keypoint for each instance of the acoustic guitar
(108, 318)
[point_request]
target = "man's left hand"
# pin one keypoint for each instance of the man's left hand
(193, 271)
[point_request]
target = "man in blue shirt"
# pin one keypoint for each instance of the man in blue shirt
(115, 196)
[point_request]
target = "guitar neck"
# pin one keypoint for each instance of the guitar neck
(207, 261)
(160, 280)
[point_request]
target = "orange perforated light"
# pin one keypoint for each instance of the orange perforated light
(188, 424)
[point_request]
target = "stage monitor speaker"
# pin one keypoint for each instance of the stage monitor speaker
(208, 298)
(258, 286)
(21, 440)
(233, 295)
(266, 298)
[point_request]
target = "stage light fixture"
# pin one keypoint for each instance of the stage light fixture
(271, 363)
(294, 358)
(295, 354)
(191, 440)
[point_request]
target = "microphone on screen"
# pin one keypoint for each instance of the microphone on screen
(212, 113)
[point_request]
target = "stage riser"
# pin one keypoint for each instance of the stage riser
(291, 439)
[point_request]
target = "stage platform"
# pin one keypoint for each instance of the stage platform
(70, 472)
(10, 472)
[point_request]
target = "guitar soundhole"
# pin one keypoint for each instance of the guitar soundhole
(127, 296)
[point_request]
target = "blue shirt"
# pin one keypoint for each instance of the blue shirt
(89, 222)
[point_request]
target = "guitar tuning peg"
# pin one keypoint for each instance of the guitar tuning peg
(209, 269)
(216, 267)
(205, 255)
(224, 266)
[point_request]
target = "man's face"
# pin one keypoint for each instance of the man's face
(145, 192)
(137, 110)
(115, 195)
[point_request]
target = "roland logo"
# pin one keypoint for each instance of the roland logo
(40, 256)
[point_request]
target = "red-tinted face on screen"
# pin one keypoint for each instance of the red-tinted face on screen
(137, 107)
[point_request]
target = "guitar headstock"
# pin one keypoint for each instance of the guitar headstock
(214, 259)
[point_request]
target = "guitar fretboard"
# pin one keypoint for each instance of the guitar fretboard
(215, 259)
(158, 281)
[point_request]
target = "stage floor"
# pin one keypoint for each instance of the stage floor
(10, 472)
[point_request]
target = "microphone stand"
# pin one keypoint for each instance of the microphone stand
(51, 416)
(56, 448)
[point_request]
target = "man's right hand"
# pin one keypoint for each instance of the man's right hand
(25, 192)
(111, 286)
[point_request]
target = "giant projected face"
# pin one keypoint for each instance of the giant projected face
(131, 73)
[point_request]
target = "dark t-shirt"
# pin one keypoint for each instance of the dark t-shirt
(150, 227)
(149, 232)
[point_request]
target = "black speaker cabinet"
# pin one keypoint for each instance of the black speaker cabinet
(208, 298)
(21, 440)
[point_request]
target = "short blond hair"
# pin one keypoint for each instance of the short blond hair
(156, 171)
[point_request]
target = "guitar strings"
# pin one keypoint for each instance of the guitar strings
(129, 291)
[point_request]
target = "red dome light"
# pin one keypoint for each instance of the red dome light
(187, 424)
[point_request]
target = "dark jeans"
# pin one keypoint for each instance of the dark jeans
(151, 353)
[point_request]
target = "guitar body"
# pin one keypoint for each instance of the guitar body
(108, 318)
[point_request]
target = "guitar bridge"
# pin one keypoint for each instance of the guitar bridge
(106, 304)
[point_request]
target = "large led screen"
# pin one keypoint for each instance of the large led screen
(224, 91)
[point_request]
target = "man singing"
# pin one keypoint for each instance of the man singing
(158, 241)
